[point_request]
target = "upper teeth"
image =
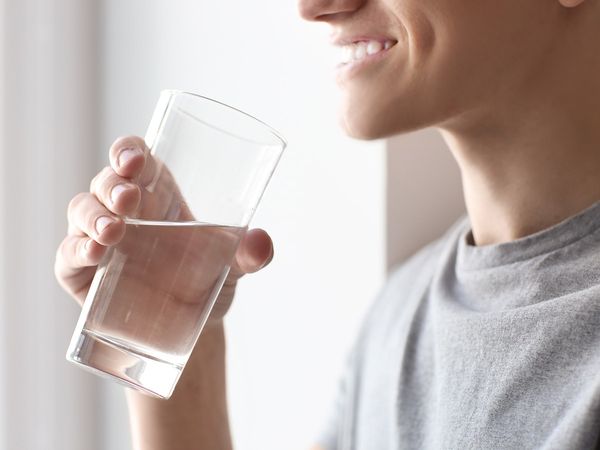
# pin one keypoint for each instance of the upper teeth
(359, 50)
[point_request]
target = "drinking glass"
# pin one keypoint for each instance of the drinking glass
(152, 293)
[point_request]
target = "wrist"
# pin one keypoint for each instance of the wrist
(208, 353)
(197, 410)
(205, 363)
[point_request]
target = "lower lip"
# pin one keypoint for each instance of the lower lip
(348, 70)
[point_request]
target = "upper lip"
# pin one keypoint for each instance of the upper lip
(347, 38)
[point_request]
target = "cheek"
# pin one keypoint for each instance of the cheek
(386, 100)
(420, 34)
(451, 57)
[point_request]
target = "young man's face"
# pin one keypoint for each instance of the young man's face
(447, 59)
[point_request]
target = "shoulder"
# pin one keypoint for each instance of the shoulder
(408, 280)
(421, 266)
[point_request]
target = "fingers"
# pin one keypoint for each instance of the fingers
(75, 263)
(87, 214)
(254, 253)
(128, 156)
(92, 216)
(119, 194)
(76, 252)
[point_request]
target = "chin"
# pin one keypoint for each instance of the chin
(377, 120)
(362, 126)
(361, 132)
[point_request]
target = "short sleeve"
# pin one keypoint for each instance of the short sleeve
(336, 432)
(405, 281)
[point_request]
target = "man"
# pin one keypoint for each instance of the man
(489, 337)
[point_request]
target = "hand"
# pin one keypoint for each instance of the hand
(95, 223)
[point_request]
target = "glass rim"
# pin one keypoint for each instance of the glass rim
(272, 130)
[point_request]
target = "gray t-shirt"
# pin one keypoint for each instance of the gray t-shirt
(490, 347)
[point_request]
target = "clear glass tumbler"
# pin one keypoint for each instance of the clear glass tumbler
(152, 293)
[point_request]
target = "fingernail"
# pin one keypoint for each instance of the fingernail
(87, 246)
(116, 191)
(102, 222)
(127, 154)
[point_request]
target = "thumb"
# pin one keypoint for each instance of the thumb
(254, 252)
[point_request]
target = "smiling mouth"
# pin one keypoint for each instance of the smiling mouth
(362, 50)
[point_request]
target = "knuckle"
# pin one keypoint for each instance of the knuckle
(94, 182)
(63, 255)
(78, 250)
(99, 180)
(76, 201)
(58, 270)
(60, 251)
(104, 182)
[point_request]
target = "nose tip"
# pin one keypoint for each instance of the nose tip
(323, 10)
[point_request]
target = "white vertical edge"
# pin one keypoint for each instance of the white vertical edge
(160, 111)
(3, 291)
(76, 130)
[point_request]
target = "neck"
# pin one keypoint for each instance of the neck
(525, 168)
(532, 188)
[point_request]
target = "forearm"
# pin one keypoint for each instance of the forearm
(195, 416)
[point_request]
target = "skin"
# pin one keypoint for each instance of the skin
(513, 86)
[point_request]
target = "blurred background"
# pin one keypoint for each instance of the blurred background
(76, 74)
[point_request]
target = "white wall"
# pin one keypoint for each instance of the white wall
(325, 207)
(424, 192)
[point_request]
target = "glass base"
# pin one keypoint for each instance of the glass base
(134, 370)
